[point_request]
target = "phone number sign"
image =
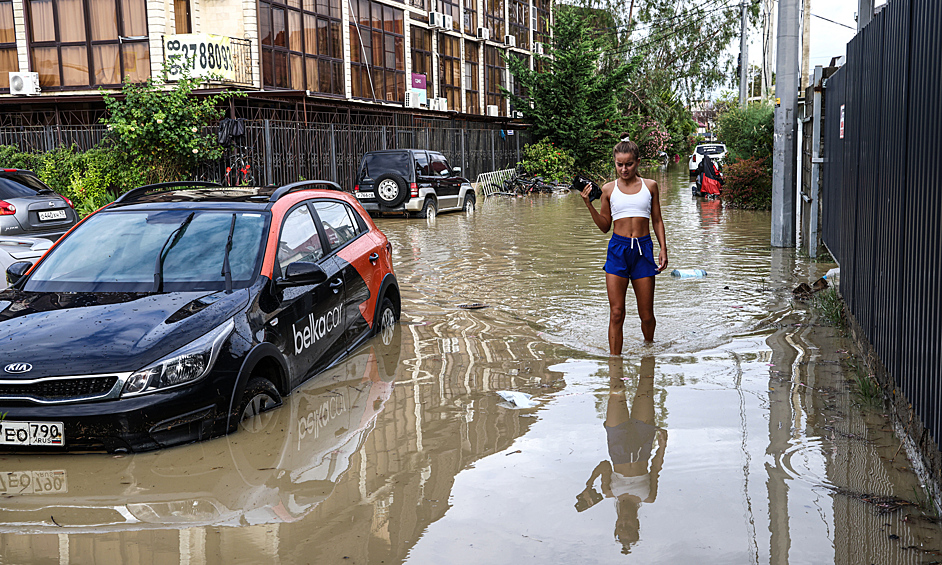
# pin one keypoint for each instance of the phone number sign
(202, 54)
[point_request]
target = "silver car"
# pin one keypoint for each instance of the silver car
(14, 249)
(30, 208)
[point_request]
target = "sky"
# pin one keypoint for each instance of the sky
(827, 39)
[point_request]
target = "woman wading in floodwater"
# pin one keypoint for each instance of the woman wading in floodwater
(631, 204)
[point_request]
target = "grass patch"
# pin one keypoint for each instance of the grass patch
(831, 307)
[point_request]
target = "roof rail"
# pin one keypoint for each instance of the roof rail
(302, 184)
(150, 187)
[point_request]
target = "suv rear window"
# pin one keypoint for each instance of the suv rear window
(375, 164)
(19, 185)
(710, 149)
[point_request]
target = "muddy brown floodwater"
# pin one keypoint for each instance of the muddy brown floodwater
(735, 438)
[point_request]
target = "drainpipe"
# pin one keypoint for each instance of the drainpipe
(816, 161)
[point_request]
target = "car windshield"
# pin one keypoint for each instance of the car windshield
(711, 149)
(118, 251)
(19, 185)
(376, 164)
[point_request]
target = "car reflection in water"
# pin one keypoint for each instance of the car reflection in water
(277, 469)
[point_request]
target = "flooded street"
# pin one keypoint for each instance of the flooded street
(736, 438)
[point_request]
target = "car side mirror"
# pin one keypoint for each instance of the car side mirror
(17, 270)
(455, 171)
(302, 273)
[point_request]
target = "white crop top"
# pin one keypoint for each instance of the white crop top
(631, 205)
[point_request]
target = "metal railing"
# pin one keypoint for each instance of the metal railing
(491, 183)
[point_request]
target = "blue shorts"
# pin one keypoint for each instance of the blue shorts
(631, 257)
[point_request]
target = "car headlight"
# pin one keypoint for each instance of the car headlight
(185, 365)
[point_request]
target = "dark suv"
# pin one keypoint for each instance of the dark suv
(414, 181)
(182, 309)
(30, 208)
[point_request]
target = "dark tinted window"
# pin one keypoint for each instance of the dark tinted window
(379, 163)
(439, 165)
(15, 185)
(421, 164)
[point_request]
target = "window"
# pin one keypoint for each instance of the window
(449, 76)
(471, 59)
(515, 85)
(494, 71)
(439, 165)
(181, 15)
(338, 223)
(301, 45)
(377, 52)
(494, 16)
(299, 239)
(519, 22)
(81, 43)
(422, 55)
(541, 21)
(471, 17)
(8, 60)
(422, 6)
(421, 164)
(450, 8)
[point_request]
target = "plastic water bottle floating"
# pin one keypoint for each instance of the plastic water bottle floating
(688, 273)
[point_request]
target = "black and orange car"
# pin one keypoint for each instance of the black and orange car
(182, 309)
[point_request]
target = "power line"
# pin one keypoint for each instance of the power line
(833, 22)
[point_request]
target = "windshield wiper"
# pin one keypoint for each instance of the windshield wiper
(226, 269)
(176, 235)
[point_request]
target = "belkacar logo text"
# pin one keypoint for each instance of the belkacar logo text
(316, 329)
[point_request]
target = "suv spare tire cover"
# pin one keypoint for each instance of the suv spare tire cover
(388, 199)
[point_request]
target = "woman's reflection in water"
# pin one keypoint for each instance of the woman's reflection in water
(631, 435)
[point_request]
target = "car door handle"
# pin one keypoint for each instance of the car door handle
(374, 257)
(335, 285)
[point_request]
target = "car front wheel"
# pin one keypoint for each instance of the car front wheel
(260, 396)
(468, 203)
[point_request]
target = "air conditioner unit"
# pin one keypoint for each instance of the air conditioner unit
(491, 110)
(436, 20)
(433, 104)
(449, 22)
(484, 33)
(517, 114)
(538, 48)
(24, 84)
(411, 100)
(510, 40)
(442, 104)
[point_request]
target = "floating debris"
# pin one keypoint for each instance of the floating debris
(884, 503)
(473, 306)
(517, 398)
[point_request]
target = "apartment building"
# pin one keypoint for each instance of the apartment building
(437, 55)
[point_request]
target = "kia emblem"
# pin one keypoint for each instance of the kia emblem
(18, 368)
(52, 204)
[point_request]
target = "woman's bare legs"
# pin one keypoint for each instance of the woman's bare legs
(644, 293)
(617, 289)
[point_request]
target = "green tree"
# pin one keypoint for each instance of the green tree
(159, 127)
(574, 93)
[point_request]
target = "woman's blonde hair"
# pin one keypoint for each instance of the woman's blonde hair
(626, 146)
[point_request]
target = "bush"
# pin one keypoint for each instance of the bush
(162, 129)
(652, 139)
(748, 131)
(748, 185)
(548, 161)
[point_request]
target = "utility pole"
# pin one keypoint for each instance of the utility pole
(766, 47)
(864, 13)
(744, 59)
(784, 158)
(805, 44)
